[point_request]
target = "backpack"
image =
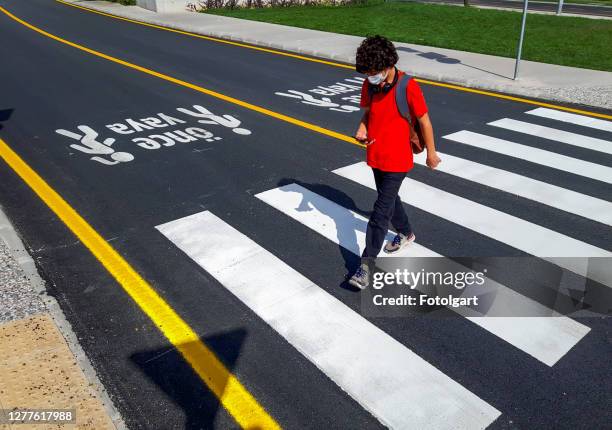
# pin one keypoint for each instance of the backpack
(417, 142)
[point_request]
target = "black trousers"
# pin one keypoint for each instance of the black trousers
(388, 208)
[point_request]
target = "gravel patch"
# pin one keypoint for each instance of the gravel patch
(592, 96)
(17, 297)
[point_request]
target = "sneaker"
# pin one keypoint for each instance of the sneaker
(361, 278)
(399, 242)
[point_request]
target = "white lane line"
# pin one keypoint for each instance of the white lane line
(390, 381)
(534, 155)
(543, 337)
(554, 134)
(572, 118)
(542, 192)
(516, 232)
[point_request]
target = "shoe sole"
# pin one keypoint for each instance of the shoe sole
(413, 238)
(357, 284)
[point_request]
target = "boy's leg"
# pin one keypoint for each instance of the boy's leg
(378, 177)
(400, 220)
(388, 186)
(405, 235)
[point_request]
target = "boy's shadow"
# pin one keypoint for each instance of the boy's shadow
(339, 207)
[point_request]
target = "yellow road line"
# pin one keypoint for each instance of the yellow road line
(335, 64)
(232, 394)
(186, 84)
(211, 38)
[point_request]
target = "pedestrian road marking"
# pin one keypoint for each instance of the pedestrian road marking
(550, 133)
(533, 155)
(513, 231)
(544, 337)
(572, 118)
(557, 197)
(387, 379)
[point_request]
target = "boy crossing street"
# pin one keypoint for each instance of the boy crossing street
(386, 133)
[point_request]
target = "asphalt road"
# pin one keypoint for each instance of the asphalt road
(572, 8)
(59, 104)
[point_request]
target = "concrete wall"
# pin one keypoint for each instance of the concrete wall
(164, 5)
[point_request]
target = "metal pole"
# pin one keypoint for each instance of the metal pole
(520, 45)
(559, 9)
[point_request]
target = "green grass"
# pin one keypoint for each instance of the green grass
(569, 41)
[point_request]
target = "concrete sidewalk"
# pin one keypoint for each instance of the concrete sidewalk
(538, 80)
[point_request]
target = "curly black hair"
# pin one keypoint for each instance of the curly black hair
(375, 54)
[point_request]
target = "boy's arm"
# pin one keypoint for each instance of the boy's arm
(362, 131)
(426, 128)
(364, 118)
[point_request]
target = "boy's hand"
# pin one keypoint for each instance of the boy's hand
(432, 160)
(362, 135)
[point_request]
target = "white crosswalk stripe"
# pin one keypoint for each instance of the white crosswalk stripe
(387, 375)
(554, 134)
(572, 118)
(542, 192)
(389, 380)
(533, 155)
(545, 338)
(516, 232)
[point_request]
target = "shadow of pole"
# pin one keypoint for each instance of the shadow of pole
(5, 114)
(167, 368)
(443, 59)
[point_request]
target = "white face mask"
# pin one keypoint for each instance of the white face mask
(378, 78)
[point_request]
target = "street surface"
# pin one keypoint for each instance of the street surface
(227, 203)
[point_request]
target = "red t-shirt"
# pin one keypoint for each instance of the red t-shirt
(392, 151)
